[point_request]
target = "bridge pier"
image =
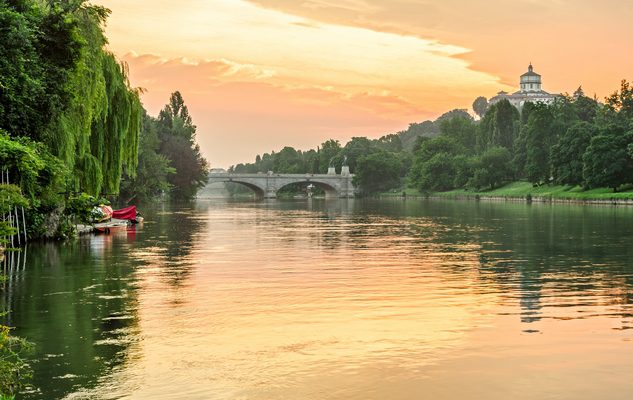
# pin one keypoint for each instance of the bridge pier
(270, 193)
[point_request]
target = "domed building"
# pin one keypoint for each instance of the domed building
(531, 90)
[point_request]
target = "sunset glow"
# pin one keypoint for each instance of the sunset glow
(259, 75)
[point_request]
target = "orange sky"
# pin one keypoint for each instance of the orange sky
(261, 74)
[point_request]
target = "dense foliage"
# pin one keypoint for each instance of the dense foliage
(71, 123)
(574, 141)
(61, 88)
(169, 159)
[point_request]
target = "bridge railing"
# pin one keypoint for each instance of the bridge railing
(264, 175)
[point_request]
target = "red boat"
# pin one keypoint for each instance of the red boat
(128, 213)
(119, 219)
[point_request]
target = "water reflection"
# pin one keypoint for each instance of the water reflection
(79, 315)
(336, 299)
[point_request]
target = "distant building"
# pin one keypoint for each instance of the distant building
(531, 91)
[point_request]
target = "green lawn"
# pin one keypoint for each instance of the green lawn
(399, 192)
(522, 189)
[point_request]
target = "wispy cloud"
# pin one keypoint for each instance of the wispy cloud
(240, 115)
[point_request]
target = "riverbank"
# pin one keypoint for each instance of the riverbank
(526, 192)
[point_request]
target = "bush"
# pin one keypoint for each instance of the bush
(82, 207)
(14, 370)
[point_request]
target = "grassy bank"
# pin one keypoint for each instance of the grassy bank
(525, 189)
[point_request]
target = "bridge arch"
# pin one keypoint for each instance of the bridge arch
(330, 191)
(259, 191)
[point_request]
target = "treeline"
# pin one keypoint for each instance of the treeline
(71, 123)
(378, 164)
(574, 141)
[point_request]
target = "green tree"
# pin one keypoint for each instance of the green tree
(456, 113)
(434, 164)
(177, 134)
(462, 130)
(586, 108)
(438, 173)
(440, 144)
(390, 142)
(151, 178)
(492, 168)
(499, 126)
(464, 169)
(620, 103)
(607, 161)
(519, 151)
(410, 137)
(190, 167)
(356, 148)
(378, 172)
(480, 106)
(567, 154)
(174, 119)
(311, 161)
(327, 153)
(288, 161)
(538, 141)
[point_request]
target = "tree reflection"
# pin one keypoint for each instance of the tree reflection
(76, 305)
(549, 256)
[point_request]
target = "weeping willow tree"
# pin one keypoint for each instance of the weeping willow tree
(97, 134)
(115, 132)
(59, 86)
(69, 135)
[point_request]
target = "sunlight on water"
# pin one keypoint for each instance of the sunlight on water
(339, 300)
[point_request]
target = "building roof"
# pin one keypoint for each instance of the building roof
(532, 93)
(530, 72)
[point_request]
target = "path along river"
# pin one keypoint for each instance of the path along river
(350, 299)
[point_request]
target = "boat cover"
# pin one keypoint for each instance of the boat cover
(128, 213)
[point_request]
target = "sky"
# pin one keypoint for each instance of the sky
(258, 75)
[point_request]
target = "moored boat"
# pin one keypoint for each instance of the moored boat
(107, 227)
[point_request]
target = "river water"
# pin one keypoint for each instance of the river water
(315, 299)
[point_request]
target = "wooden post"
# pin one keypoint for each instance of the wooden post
(24, 225)
(2, 183)
(14, 217)
(17, 225)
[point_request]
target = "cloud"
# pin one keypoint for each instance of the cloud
(570, 41)
(258, 79)
(348, 5)
(241, 111)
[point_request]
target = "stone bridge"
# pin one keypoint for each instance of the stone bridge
(267, 185)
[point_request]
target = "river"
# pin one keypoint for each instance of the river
(349, 299)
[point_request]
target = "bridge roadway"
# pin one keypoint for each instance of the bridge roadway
(267, 185)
